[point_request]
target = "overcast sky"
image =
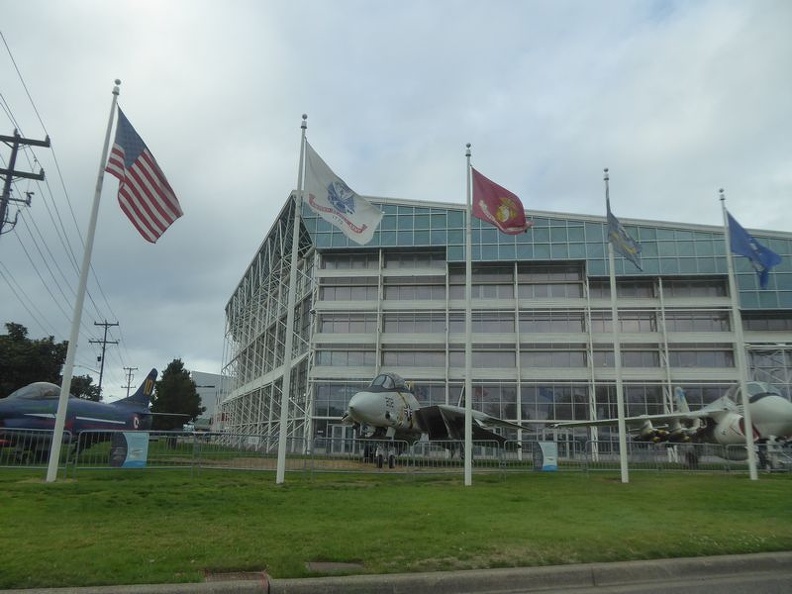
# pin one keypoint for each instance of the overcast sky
(677, 98)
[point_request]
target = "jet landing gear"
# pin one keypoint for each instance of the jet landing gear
(385, 453)
(380, 454)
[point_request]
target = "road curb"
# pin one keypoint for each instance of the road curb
(524, 579)
(536, 578)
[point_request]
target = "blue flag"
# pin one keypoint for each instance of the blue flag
(743, 244)
(621, 240)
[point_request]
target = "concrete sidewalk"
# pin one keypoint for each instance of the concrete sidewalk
(490, 581)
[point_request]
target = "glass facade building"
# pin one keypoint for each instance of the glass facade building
(542, 339)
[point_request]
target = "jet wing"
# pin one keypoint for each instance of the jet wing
(681, 417)
(444, 421)
(639, 420)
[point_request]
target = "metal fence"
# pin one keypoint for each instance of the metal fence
(31, 448)
(604, 455)
(193, 451)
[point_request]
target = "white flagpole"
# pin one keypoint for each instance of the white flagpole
(742, 365)
(71, 350)
(625, 474)
(468, 332)
(289, 339)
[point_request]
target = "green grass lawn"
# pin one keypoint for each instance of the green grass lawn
(124, 527)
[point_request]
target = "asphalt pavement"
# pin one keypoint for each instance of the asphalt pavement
(763, 573)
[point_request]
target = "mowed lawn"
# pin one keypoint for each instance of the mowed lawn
(157, 526)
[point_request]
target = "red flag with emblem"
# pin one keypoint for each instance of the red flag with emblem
(498, 206)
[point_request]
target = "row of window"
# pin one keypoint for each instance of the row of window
(432, 288)
(529, 358)
(529, 322)
(554, 276)
(423, 289)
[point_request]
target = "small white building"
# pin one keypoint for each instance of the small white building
(210, 388)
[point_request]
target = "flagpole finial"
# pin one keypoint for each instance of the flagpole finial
(722, 196)
(117, 84)
(304, 124)
(467, 151)
(606, 174)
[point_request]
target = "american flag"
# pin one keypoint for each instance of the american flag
(144, 194)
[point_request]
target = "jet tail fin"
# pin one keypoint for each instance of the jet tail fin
(143, 395)
(680, 400)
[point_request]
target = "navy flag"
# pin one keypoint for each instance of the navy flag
(621, 240)
(743, 244)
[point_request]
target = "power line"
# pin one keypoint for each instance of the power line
(10, 173)
(39, 239)
(129, 385)
(104, 342)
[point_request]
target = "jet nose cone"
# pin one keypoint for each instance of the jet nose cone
(365, 407)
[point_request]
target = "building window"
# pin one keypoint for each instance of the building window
(414, 323)
(695, 288)
(395, 357)
(633, 289)
(776, 323)
(348, 323)
(697, 321)
(348, 293)
(415, 259)
(640, 358)
(351, 261)
(488, 359)
(492, 321)
(703, 356)
(412, 288)
(552, 358)
(345, 358)
(555, 402)
(551, 322)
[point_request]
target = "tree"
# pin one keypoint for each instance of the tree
(82, 386)
(23, 361)
(175, 394)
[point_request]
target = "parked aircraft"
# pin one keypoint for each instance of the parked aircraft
(721, 422)
(28, 413)
(387, 410)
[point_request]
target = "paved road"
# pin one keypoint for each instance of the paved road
(748, 583)
(764, 573)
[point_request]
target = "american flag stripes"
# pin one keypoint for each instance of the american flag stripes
(144, 194)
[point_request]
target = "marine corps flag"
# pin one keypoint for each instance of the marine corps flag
(498, 206)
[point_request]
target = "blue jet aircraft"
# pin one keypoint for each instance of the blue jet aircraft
(27, 416)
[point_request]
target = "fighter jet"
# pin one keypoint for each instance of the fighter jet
(27, 415)
(387, 410)
(721, 422)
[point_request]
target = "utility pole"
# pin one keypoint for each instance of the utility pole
(14, 142)
(129, 371)
(104, 342)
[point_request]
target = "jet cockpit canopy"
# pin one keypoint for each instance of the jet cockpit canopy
(390, 381)
(37, 391)
(755, 389)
